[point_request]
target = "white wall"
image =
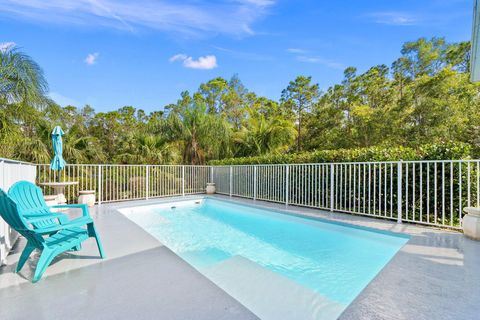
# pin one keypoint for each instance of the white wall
(10, 172)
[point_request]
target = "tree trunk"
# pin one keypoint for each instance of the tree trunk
(299, 141)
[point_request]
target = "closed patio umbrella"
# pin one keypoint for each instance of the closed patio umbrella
(57, 163)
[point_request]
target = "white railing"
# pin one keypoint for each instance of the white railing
(12, 171)
(127, 182)
(425, 192)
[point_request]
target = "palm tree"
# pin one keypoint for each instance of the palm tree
(35, 144)
(202, 135)
(33, 149)
(10, 133)
(260, 135)
(21, 78)
(150, 149)
(22, 86)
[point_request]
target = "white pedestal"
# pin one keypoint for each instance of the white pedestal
(51, 200)
(471, 223)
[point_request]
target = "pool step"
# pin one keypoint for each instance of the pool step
(268, 294)
(205, 258)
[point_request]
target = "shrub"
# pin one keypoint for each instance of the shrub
(439, 151)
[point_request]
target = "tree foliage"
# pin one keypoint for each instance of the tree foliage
(424, 98)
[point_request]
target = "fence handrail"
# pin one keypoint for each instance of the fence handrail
(348, 162)
(123, 165)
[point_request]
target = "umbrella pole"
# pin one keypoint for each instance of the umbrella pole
(58, 176)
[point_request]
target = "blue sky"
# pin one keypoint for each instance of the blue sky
(109, 53)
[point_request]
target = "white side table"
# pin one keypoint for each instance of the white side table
(59, 189)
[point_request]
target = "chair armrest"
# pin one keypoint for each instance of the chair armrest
(74, 223)
(73, 206)
(62, 219)
(44, 211)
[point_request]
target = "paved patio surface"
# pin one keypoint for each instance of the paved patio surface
(140, 279)
(436, 275)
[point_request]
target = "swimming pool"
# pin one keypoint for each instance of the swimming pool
(280, 266)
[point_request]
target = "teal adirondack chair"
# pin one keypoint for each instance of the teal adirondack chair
(30, 200)
(51, 234)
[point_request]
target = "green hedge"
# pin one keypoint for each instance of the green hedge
(441, 151)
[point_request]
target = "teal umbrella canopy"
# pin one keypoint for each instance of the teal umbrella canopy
(57, 162)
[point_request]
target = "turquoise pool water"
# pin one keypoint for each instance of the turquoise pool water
(313, 268)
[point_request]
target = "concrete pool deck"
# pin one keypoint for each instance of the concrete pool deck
(139, 279)
(436, 275)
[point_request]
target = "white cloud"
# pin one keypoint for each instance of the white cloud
(296, 50)
(244, 54)
(394, 18)
(4, 46)
(260, 2)
(177, 57)
(303, 55)
(91, 58)
(308, 59)
(193, 18)
(205, 63)
(319, 60)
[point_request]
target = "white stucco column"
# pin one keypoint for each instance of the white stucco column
(475, 55)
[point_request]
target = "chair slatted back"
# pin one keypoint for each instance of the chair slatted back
(30, 200)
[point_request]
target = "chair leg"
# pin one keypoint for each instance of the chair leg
(45, 258)
(27, 251)
(77, 247)
(92, 232)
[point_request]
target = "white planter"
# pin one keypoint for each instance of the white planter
(87, 197)
(51, 200)
(471, 223)
(210, 188)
